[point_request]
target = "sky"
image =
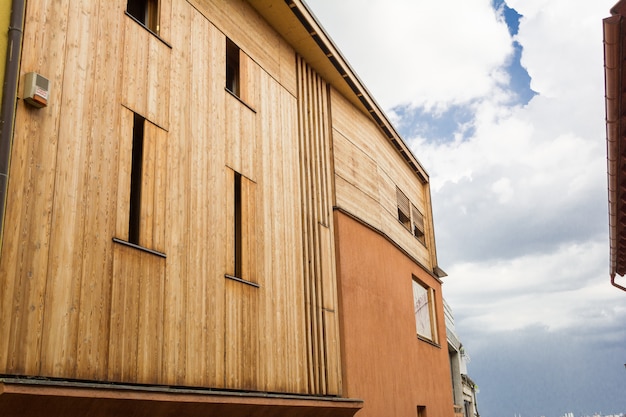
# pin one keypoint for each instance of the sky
(503, 104)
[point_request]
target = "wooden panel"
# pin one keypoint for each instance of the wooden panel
(137, 314)
(317, 242)
(146, 74)
(124, 168)
(178, 232)
(153, 183)
(60, 331)
(30, 196)
(243, 25)
(94, 309)
(241, 350)
(283, 341)
(241, 123)
(288, 77)
(357, 168)
(165, 19)
(153, 191)
(368, 172)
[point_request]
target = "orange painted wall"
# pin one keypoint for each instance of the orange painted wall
(384, 362)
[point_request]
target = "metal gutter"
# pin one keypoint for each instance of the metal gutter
(613, 34)
(9, 100)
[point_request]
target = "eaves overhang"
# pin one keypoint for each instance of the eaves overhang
(615, 106)
(21, 396)
(296, 23)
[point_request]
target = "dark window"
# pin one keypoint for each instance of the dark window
(418, 224)
(145, 12)
(237, 226)
(232, 67)
(404, 213)
(136, 179)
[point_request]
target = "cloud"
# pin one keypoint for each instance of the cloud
(398, 48)
(537, 372)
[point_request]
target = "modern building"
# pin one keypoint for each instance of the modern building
(207, 213)
(615, 99)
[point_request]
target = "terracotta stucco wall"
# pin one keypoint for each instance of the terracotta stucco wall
(385, 363)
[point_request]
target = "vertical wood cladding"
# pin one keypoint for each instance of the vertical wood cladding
(75, 303)
(318, 235)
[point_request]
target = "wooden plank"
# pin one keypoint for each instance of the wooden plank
(100, 216)
(150, 278)
(175, 352)
(146, 74)
(125, 140)
(29, 207)
(244, 26)
(137, 312)
(333, 353)
(148, 179)
(125, 299)
(287, 64)
(241, 336)
(42, 232)
(165, 20)
(153, 191)
(360, 147)
(356, 167)
(241, 124)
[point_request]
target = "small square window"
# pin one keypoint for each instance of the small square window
(232, 68)
(145, 12)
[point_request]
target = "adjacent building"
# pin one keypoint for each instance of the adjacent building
(464, 389)
(207, 213)
(615, 99)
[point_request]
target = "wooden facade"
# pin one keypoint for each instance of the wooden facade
(173, 214)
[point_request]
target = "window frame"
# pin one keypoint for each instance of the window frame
(410, 217)
(418, 228)
(404, 209)
(136, 179)
(145, 12)
(242, 230)
(233, 68)
(421, 308)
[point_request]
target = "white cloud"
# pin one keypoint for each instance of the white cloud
(558, 290)
(399, 47)
(562, 43)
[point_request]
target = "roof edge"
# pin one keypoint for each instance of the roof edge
(306, 17)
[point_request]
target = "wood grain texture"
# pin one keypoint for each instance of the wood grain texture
(368, 170)
(323, 353)
(78, 305)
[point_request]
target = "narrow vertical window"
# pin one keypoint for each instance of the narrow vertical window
(404, 214)
(232, 68)
(136, 179)
(418, 224)
(145, 12)
(238, 235)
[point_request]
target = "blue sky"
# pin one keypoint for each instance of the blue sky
(503, 103)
